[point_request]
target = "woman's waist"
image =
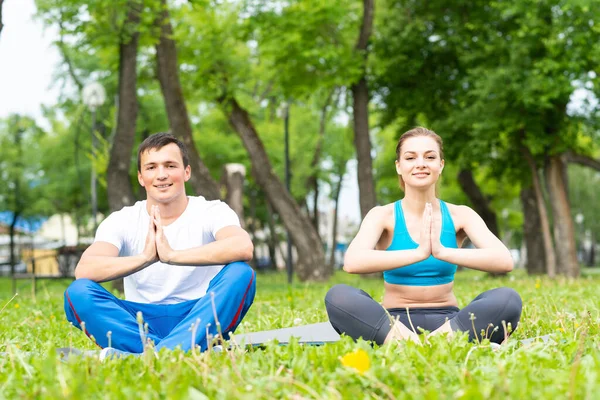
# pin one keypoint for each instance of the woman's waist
(404, 296)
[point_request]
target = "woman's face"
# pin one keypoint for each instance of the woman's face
(419, 164)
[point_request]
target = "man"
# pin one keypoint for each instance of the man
(182, 259)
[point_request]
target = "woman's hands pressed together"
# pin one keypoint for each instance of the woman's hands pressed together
(431, 229)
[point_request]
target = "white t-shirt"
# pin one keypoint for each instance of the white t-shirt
(165, 283)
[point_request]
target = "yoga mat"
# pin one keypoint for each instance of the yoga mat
(318, 334)
(313, 334)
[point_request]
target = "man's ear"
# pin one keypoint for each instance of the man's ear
(140, 180)
(188, 173)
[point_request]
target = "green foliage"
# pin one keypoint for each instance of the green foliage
(490, 75)
(20, 170)
(566, 367)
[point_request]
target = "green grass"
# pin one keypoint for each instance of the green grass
(569, 368)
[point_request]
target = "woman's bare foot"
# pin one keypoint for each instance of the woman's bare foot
(400, 332)
(445, 328)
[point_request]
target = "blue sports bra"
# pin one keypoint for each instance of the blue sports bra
(431, 271)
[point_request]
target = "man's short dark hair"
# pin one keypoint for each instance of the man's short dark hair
(157, 142)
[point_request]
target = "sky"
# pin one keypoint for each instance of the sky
(28, 61)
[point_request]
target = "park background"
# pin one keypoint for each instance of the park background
(310, 98)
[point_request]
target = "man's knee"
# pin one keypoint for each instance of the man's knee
(242, 272)
(78, 295)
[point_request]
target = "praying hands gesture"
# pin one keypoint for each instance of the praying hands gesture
(431, 229)
(157, 247)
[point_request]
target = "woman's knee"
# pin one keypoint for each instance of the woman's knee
(514, 304)
(507, 298)
(339, 296)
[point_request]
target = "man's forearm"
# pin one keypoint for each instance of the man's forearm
(102, 268)
(219, 252)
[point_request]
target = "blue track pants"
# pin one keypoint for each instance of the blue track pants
(168, 324)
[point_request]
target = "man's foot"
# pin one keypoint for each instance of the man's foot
(110, 353)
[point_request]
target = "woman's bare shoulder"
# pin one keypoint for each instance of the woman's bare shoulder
(460, 213)
(383, 211)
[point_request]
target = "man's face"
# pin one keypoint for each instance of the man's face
(163, 174)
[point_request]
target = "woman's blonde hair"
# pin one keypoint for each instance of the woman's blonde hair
(418, 131)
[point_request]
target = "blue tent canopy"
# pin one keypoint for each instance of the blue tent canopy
(28, 225)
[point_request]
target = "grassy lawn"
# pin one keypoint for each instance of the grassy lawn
(567, 368)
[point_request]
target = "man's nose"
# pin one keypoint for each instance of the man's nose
(162, 173)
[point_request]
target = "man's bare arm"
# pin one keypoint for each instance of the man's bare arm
(101, 262)
(232, 244)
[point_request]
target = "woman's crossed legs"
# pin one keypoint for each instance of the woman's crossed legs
(353, 312)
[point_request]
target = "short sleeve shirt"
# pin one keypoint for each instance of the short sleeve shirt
(165, 283)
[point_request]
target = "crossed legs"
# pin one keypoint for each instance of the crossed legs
(89, 307)
(353, 312)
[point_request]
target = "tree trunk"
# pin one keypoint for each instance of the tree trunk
(564, 231)
(119, 190)
(313, 181)
(179, 121)
(1, 24)
(234, 182)
(13, 255)
(311, 256)
(360, 104)
(543, 212)
(273, 240)
(592, 258)
(336, 199)
(532, 231)
(480, 203)
(252, 229)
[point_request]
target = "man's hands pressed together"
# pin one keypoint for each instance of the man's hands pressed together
(164, 250)
(157, 246)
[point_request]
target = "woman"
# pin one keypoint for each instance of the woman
(416, 243)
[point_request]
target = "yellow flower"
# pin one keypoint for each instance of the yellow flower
(576, 324)
(17, 305)
(359, 360)
(537, 285)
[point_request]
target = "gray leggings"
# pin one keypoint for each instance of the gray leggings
(354, 313)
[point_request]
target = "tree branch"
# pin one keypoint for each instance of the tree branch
(63, 50)
(584, 160)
